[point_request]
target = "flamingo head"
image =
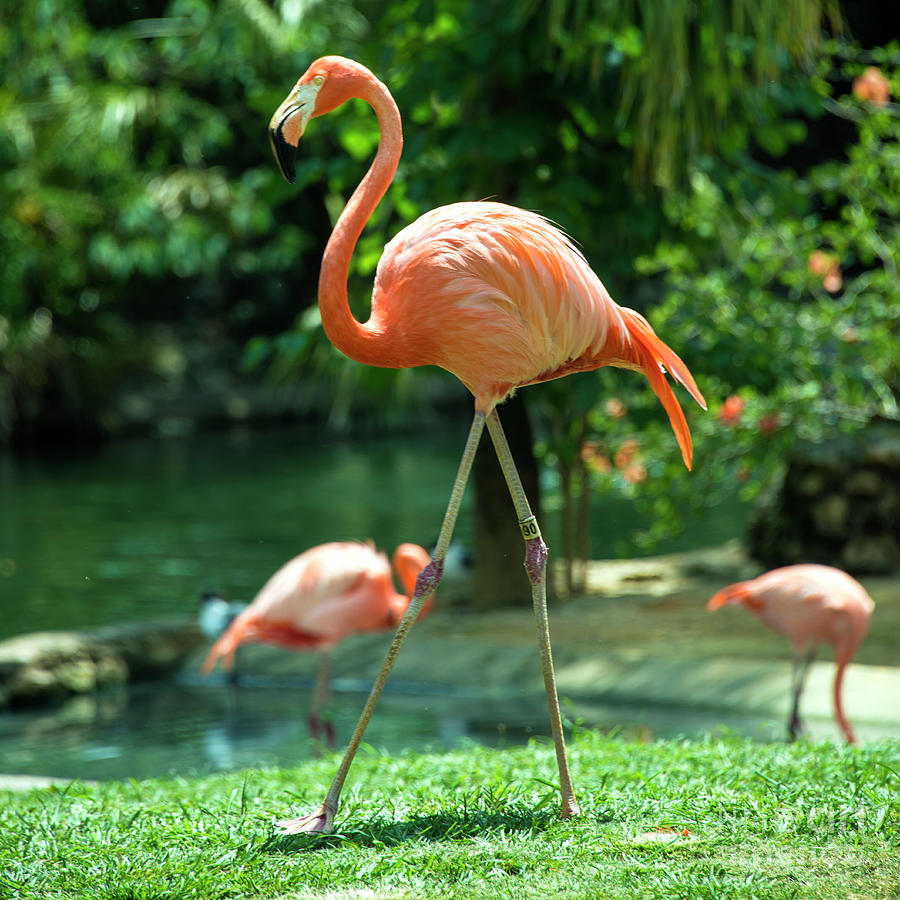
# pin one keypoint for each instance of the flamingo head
(733, 595)
(326, 84)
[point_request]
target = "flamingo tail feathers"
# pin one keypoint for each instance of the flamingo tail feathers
(653, 357)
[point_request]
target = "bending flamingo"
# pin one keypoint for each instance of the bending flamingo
(317, 599)
(491, 293)
(810, 605)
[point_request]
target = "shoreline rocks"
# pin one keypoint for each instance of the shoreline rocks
(46, 666)
(837, 503)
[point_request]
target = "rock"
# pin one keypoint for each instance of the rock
(879, 554)
(49, 665)
(829, 515)
(864, 483)
(836, 502)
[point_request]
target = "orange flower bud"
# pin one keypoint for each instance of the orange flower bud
(731, 410)
(872, 86)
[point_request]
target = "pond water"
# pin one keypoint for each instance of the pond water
(137, 530)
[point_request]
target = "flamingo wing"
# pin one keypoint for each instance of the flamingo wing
(469, 279)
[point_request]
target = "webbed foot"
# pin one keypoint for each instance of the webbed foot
(319, 822)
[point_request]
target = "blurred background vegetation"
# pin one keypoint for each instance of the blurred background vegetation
(731, 169)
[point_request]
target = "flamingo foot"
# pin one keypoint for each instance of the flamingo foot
(796, 729)
(322, 730)
(319, 822)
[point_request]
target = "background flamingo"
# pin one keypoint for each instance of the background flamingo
(317, 599)
(493, 294)
(810, 605)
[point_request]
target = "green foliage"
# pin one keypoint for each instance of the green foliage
(782, 298)
(694, 77)
(135, 185)
(721, 817)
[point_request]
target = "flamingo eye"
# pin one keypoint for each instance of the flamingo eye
(318, 80)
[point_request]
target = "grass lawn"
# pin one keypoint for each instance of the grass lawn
(722, 817)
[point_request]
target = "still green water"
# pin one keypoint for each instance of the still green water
(138, 530)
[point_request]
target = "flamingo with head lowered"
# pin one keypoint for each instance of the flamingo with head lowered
(810, 605)
(319, 598)
(493, 294)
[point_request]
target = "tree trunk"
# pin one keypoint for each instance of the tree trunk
(500, 578)
(566, 543)
(583, 530)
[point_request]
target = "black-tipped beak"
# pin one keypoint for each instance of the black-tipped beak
(285, 153)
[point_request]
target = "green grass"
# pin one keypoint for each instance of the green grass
(809, 820)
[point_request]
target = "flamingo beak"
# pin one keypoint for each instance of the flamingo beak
(285, 151)
(286, 127)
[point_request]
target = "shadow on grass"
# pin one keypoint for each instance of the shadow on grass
(452, 825)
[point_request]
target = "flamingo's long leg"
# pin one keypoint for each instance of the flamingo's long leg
(536, 566)
(323, 819)
(321, 699)
(798, 679)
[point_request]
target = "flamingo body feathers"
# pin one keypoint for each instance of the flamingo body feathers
(501, 298)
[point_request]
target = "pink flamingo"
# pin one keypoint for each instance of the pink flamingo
(493, 294)
(810, 605)
(320, 597)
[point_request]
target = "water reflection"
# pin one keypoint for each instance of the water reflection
(199, 729)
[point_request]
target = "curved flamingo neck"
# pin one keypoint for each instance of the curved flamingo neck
(409, 560)
(356, 339)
